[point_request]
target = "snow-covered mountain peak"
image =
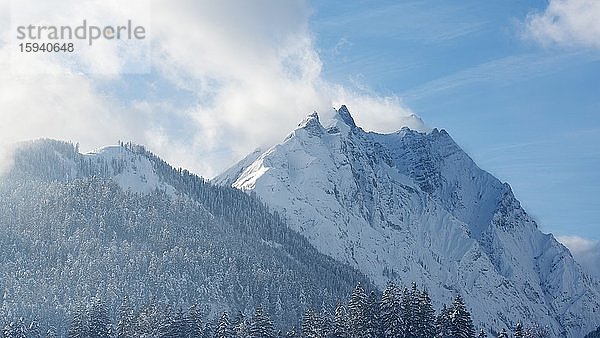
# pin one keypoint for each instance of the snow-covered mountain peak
(413, 206)
(311, 125)
(344, 114)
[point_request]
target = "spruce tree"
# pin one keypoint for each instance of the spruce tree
(326, 322)
(126, 319)
(538, 331)
(207, 330)
(99, 322)
(461, 319)
(503, 334)
(409, 310)
(309, 324)
(425, 316)
(224, 327)
(519, 331)
(79, 324)
(340, 323)
(373, 320)
(165, 328)
(443, 323)
(15, 329)
(357, 312)
(33, 330)
(179, 327)
(391, 322)
(149, 321)
(594, 334)
(482, 334)
(261, 325)
(240, 327)
(193, 318)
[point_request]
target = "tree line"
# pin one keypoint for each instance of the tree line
(397, 312)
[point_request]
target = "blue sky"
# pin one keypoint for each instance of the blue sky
(516, 83)
(526, 110)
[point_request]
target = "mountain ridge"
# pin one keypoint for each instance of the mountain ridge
(399, 200)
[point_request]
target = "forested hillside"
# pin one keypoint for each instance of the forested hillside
(70, 233)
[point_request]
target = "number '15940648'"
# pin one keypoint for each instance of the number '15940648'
(34, 47)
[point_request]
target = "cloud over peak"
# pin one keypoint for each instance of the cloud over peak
(231, 76)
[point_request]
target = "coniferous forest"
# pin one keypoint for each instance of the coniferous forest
(69, 233)
(400, 313)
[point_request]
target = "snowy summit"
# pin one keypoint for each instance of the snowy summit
(413, 207)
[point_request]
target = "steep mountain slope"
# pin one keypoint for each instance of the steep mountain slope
(413, 206)
(121, 222)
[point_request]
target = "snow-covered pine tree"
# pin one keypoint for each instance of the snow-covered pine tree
(79, 324)
(481, 334)
(315, 325)
(357, 312)
(409, 310)
(193, 318)
(261, 325)
(390, 311)
(425, 316)
(15, 329)
(519, 331)
(224, 327)
(309, 324)
(503, 334)
(326, 321)
(239, 325)
(148, 321)
(179, 326)
(373, 313)
(208, 330)
(126, 319)
(443, 323)
(461, 319)
(33, 330)
(538, 331)
(166, 323)
(99, 322)
(340, 323)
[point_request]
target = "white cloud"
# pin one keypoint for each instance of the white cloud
(378, 113)
(53, 105)
(105, 58)
(566, 23)
(251, 67)
(585, 251)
